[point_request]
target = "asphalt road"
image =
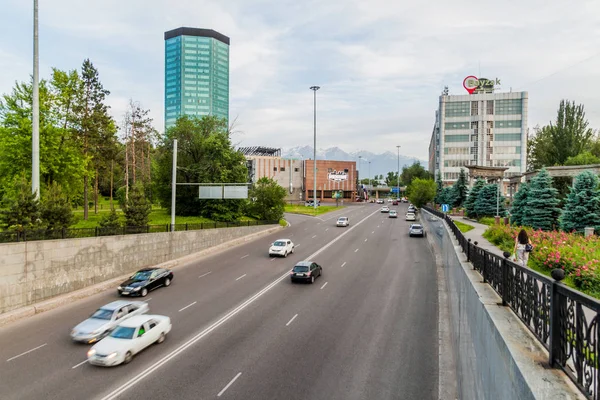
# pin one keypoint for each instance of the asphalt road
(367, 329)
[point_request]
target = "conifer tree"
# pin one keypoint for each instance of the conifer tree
(472, 198)
(519, 205)
(460, 189)
(582, 208)
(137, 208)
(542, 209)
(487, 202)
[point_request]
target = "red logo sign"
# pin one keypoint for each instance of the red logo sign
(471, 83)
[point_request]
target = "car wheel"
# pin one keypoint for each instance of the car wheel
(321, 272)
(312, 279)
(167, 282)
(144, 292)
(128, 358)
(292, 250)
(161, 338)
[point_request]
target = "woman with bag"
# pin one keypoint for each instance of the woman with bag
(523, 247)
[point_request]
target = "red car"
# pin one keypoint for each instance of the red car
(395, 203)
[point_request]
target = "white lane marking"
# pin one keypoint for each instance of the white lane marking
(324, 285)
(366, 240)
(373, 232)
(326, 229)
(229, 384)
(188, 306)
(343, 264)
(133, 381)
(305, 229)
(378, 226)
(296, 245)
(27, 352)
(80, 364)
(244, 256)
(237, 279)
(273, 259)
(314, 236)
(203, 275)
(147, 300)
(356, 250)
(291, 320)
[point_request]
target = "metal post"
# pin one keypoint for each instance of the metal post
(369, 185)
(498, 200)
(398, 170)
(314, 89)
(173, 184)
(35, 118)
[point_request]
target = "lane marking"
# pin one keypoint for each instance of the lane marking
(203, 275)
(273, 259)
(147, 300)
(366, 240)
(343, 264)
(356, 250)
(290, 321)
(378, 226)
(314, 237)
(326, 229)
(305, 229)
(80, 364)
(139, 377)
(237, 279)
(324, 285)
(373, 232)
(244, 256)
(188, 306)
(229, 384)
(27, 352)
(296, 245)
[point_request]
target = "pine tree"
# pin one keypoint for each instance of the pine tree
(460, 190)
(22, 209)
(487, 202)
(137, 208)
(582, 208)
(542, 203)
(438, 189)
(110, 220)
(472, 198)
(519, 205)
(55, 209)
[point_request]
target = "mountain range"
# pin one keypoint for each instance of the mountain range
(381, 164)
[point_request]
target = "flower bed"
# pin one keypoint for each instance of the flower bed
(578, 256)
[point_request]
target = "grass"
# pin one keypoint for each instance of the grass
(302, 209)
(463, 227)
(489, 221)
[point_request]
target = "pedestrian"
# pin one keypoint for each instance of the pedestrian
(523, 247)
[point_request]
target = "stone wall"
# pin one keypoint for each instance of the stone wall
(31, 272)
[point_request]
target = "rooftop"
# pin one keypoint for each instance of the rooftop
(184, 31)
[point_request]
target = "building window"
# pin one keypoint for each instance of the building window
(506, 137)
(456, 125)
(282, 169)
(474, 108)
(490, 107)
(458, 109)
(508, 124)
(275, 169)
(456, 138)
(509, 107)
(296, 169)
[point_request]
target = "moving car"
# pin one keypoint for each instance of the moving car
(379, 201)
(416, 230)
(393, 214)
(385, 209)
(411, 209)
(104, 319)
(144, 281)
(395, 203)
(129, 338)
(343, 221)
(306, 271)
(390, 200)
(411, 216)
(281, 247)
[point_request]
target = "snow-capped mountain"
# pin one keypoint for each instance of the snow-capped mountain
(381, 164)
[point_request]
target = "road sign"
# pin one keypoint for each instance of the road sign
(395, 190)
(445, 208)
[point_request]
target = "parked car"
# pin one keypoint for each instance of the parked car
(416, 230)
(105, 319)
(393, 214)
(385, 209)
(306, 271)
(129, 338)
(281, 247)
(411, 216)
(343, 221)
(311, 203)
(144, 281)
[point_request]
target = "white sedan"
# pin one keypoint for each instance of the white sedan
(411, 216)
(343, 221)
(281, 247)
(129, 338)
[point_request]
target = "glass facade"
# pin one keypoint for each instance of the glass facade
(196, 77)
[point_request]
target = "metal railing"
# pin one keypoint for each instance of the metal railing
(564, 320)
(73, 233)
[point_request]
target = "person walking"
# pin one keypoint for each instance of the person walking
(523, 247)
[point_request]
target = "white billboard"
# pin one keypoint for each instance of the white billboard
(337, 176)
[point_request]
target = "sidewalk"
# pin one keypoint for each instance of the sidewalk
(476, 235)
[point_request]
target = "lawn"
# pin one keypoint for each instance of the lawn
(302, 209)
(463, 227)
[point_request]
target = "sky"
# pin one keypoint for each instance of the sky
(381, 65)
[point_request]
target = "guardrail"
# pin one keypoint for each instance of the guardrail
(564, 320)
(72, 233)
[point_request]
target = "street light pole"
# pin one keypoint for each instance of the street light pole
(35, 118)
(398, 147)
(369, 186)
(314, 89)
(498, 200)
(174, 185)
(358, 174)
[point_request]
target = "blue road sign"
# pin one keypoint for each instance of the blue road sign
(395, 190)
(445, 208)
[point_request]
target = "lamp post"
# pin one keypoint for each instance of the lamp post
(398, 147)
(358, 174)
(35, 108)
(369, 186)
(498, 202)
(314, 89)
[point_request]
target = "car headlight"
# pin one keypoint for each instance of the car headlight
(137, 288)
(91, 353)
(120, 288)
(73, 332)
(112, 355)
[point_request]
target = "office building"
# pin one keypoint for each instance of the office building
(196, 74)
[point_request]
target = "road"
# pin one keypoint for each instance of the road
(367, 329)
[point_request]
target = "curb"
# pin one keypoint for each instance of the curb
(50, 304)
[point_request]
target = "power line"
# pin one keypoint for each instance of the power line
(558, 71)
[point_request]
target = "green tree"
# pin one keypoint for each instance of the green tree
(268, 200)
(439, 186)
(416, 170)
(519, 205)
(542, 203)
(446, 196)
(585, 158)
(569, 136)
(391, 180)
(55, 209)
(472, 198)
(582, 208)
(21, 208)
(110, 220)
(487, 202)
(421, 191)
(137, 208)
(460, 189)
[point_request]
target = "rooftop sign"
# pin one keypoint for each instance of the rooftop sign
(473, 84)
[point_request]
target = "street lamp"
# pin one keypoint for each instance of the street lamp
(398, 147)
(369, 186)
(314, 89)
(358, 174)
(35, 108)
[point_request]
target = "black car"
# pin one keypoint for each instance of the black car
(306, 271)
(145, 280)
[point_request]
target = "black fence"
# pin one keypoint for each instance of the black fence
(69, 233)
(564, 320)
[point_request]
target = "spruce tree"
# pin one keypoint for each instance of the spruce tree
(519, 205)
(472, 198)
(55, 209)
(542, 209)
(487, 202)
(582, 208)
(460, 190)
(137, 208)
(110, 220)
(439, 187)
(22, 209)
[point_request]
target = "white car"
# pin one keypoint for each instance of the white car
(390, 200)
(343, 221)
(379, 201)
(129, 338)
(411, 216)
(393, 214)
(281, 247)
(385, 209)
(106, 318)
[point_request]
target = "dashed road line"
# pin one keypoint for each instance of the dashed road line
(203, 275)
(366, 240)
(78, 365)
(188, 306)
(356, 250)
(314, 237)
(27, 352)
(291, 320)
(229, 384)
(324, 285)
(244, 256)
(237, 279)
(343, 264)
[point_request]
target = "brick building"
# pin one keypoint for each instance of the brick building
(332, 176)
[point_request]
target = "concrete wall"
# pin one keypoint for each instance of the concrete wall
(287, 173)
(31, 272)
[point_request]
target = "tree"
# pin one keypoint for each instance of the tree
(22, 209)
(421, 191)
(55, 209)
(137, 208)
(391, 180)
(446, 196)
(472, 198)
(110, 220)
(569, 136)
(416, 170)
(582, 208)
(439, 186)
(519, 205)
(460, 189)
(585, 158)
(267, 200)
(487, 202)
(542, 203)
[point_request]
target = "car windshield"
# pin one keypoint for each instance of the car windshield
(279, 244)
(417, 227)
(300, 268)
(122, 332)
(342, 219)
(141, 276)
(102, 314)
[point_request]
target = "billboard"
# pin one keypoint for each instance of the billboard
(472, 84)
(338, 176)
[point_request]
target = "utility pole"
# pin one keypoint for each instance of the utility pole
(398, 147)
(35, 118)
(314, 89)
(174, 185)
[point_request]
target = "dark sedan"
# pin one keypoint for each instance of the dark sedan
(306, 271)
(144, 281)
